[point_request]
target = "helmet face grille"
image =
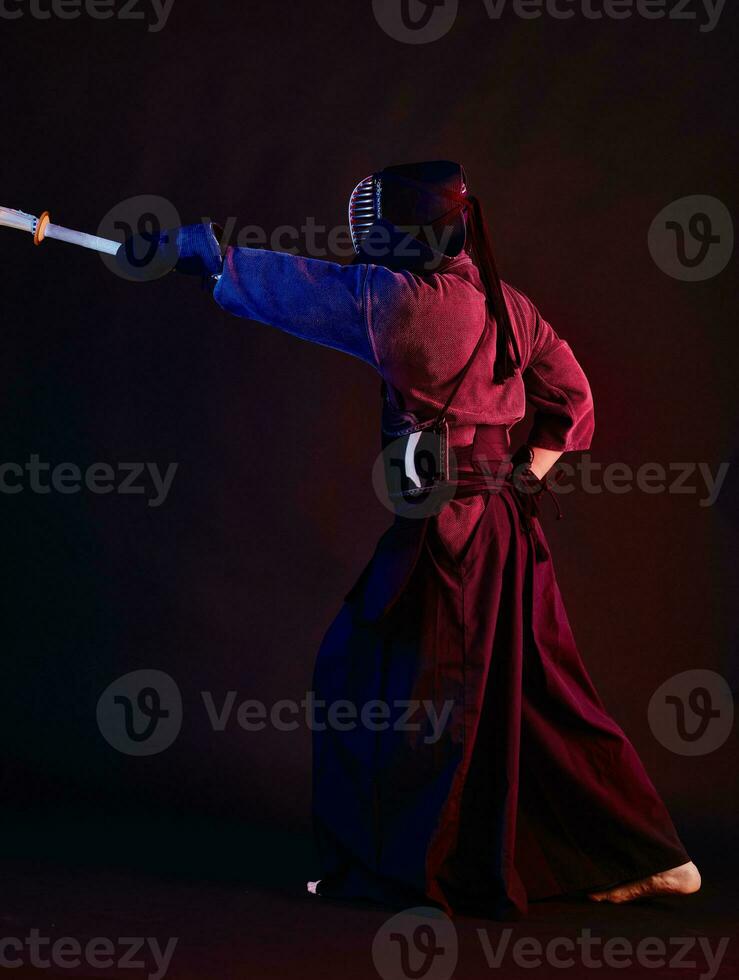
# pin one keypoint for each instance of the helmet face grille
(365, 208)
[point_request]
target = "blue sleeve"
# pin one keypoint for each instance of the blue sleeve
(322, 302)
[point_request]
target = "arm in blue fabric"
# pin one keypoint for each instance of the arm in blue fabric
(193, 250)
(199, 253)
(318, 301)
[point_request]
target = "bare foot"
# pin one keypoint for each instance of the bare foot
(678, 881)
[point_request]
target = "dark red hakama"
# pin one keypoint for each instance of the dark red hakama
(531, 790)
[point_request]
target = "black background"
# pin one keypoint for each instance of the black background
(575, 135)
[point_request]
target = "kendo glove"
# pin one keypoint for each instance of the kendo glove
(198, 251)
(526, 483)
(192, 250)
(527, 491)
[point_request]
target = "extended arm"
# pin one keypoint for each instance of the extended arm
(318, 301)
(322, 302)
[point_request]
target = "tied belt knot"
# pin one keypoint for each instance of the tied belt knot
(486, 466)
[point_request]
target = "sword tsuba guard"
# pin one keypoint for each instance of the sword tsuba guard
(39, 232)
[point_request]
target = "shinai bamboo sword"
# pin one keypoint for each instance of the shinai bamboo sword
(41, 228)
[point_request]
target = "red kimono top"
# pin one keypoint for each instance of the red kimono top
(418, 332)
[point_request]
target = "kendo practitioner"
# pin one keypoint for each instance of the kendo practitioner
(529, 789)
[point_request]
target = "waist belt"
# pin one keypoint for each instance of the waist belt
(484, 464)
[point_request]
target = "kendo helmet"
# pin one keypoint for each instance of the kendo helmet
(416, 217)
(421, 203)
